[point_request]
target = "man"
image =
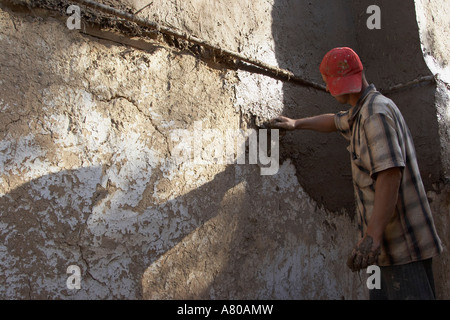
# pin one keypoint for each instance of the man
(395, 220)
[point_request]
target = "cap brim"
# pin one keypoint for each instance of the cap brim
(345, 85)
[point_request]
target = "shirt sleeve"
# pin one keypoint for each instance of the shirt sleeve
(341, 122)
(383, 143)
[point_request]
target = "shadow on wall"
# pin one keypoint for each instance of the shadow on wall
(209, 243)
(200, 245)
(56, 221)
(304, 31)
(393, 55)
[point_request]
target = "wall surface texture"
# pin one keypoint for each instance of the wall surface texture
(93, 122)
(434, 25)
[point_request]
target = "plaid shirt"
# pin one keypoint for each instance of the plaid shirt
(379, 140)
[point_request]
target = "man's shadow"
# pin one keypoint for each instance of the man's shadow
(52, 222)
(77, 217)
(210, 242)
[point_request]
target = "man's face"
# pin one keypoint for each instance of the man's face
(342, 99)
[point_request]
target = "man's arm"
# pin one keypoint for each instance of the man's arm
(386, 195)
(321, 123)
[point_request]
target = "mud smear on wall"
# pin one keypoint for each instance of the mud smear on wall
(303, 32)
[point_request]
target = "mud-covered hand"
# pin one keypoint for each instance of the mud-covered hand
(364, 254)
(283, 123)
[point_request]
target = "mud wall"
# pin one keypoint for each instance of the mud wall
(88, 170)
(433, 19)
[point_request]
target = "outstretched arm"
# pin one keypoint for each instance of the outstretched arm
(321, 123)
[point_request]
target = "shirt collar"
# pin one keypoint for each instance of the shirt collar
(355, 110)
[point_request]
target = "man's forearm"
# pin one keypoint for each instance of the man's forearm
(386, 196)
(368, 248)
(321, 123)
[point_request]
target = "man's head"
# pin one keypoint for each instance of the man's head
(342, 71)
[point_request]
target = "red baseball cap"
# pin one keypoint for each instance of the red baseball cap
(342, 70)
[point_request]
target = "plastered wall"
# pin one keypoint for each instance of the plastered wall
(89, 174)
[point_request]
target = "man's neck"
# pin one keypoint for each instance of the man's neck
(354, 98)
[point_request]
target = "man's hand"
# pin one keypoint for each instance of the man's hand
(283, 123)
(364, 254)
